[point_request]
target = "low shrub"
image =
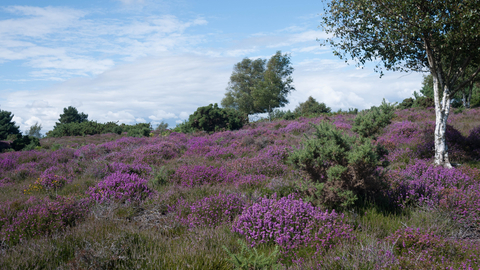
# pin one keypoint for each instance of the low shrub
(344, 166)
(36, 217)
(311, 107)
(371, 122)
(212, 118)
(210, 211)
(292, 224)
(120, 187)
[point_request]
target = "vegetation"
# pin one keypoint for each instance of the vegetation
(311, 107)
(439, 37)
(258, 86)
(371, 122)
(224, 200)
(212, 118)
(7, 125)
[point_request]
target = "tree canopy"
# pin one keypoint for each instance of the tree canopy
(441, 37)
(71, 115)
(7, 125)
(258, 86)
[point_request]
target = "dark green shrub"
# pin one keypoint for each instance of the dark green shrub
(71, 115)
(344, 166)
(25, 142)
(370, 122)
(424, 102)
(7, 125)
(311, 107)
(212, 118)
(406, 104)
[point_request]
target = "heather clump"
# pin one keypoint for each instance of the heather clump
(401, 134)
(423, 183)
(344, 166)
(21, 220)
(157, 153)
(416, 248)
(121, 187)
(197, 175)
(292, 224)
(210, 211)
(49, 180)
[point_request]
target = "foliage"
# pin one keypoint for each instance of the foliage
(441, 37)
(34, 131)
(212, 118)
(7, 126)
(311, 107)
(291, 224)
(345, 165)
(123, 187)
(371, 122)
(406, 103)
(71, 115)
(210, 211)
(258, 86)
(250, 259)
(92, 128)
(25, 142)
(36, 217)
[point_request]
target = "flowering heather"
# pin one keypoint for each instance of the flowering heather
(404, 133)
(48, 180)
(122, 187)
(420, 249)
(422, 182)
(190, 176)
(35, 217)
(210, 211)
(140, 169)
(156, 154)
(295, 127)
(291, 224)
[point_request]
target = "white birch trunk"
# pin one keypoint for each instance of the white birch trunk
(442, 109)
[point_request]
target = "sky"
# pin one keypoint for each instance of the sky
(137, 61)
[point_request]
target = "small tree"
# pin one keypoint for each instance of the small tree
(311, 106)
(71, 115)
(441, 37)
(258, 86)
(7, 125)
(212, 118)
(34, 131)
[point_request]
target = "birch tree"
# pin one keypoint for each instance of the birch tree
(441, 37)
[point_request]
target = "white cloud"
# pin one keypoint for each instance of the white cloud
(177, 84)
(161, 115)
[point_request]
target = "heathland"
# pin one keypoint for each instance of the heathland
(308, 193)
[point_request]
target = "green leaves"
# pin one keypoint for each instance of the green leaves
(345, 165)
(258, 86)
(7, 126)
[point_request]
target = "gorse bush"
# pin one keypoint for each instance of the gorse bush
(370, 122)
(344, 166)
(212, 118)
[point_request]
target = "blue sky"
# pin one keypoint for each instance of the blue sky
(149, 61)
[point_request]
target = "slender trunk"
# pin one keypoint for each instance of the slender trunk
(442, 109)
(464, 99)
